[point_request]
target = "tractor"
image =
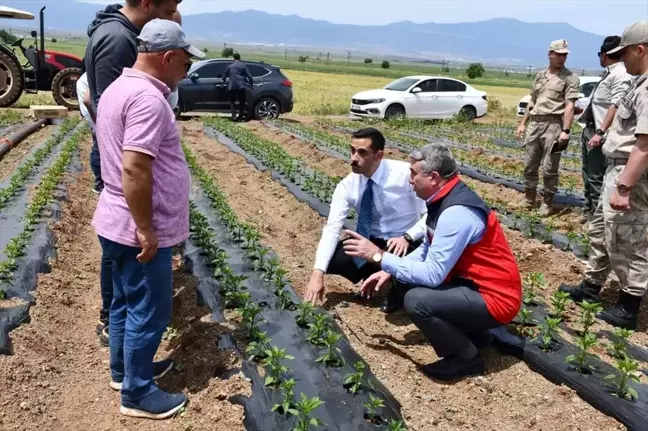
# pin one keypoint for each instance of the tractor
(43, 70)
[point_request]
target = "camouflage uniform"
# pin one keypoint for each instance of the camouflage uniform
(619, 239)
(548, 95)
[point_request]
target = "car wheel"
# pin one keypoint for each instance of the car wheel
(468, 112)
(266, 109)
(395, 112)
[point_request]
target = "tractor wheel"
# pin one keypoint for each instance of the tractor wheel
(64, 88)
(12, 81)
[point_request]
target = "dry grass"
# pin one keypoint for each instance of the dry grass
(42, 98)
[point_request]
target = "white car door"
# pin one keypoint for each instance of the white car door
(421, 101)
(451, 97)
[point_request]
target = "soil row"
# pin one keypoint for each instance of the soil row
(393, 347)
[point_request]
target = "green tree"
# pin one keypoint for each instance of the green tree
(475, 70)
(227, 52)
(368, 61)
(385, 64)
(302, 58)
(7, 37)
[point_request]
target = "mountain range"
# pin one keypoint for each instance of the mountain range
(496, 41)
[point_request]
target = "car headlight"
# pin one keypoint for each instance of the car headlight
(375, 101)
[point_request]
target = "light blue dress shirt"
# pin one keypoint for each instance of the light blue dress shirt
(430, 264)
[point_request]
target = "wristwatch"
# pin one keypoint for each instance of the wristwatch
(408, 238)
(377, 257)
(568, 130)
(600, 132)
(623, 188)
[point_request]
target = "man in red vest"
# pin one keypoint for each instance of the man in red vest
(463, 279)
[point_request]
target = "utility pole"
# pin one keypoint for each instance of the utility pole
(529, 70)
(286, 55)
(328, 56)
(319, 57)
(349, 58)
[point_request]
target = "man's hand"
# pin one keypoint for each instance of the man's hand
(595, 141)
(519, 133)
(315, 289)
(564, 137)
(358, 246)
(149, 242)
(620, 202)
(398, 246)
(374, 283)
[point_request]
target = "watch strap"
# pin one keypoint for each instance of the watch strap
(408, 238)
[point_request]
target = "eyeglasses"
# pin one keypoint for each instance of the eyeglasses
(600, 54)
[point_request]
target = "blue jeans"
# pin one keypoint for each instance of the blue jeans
(106, 283)
(95, 163)
(139, 315)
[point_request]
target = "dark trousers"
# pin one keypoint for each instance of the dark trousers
(106, 285)
(593, 169)
(342, 264)
(139, 315)
(453, 317)
(95, 164)
(237, 95)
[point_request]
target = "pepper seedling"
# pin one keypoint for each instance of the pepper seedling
(302, 410)
(317, 329)
(394, 425)
(526, 322)
(628, 371)
(588, 315)
(559, 302)
(372, 406)
(353, 381)
(548, 333)
(618, 346)
(332, 357)
(276, 370)
(257, 349)
(305, 311)
(236, 299)
(285, 300)
(585, 343)
(287, 388)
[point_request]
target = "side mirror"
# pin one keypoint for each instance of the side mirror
(34, 33)
(416, 90)
(193, 76)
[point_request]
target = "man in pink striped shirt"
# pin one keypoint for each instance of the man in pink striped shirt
(143, 212)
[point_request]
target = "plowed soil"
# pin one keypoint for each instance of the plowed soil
(509, 397)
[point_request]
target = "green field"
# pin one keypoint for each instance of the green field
(322, 89)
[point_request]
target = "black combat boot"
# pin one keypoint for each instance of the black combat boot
(624, 313)
(584, 291)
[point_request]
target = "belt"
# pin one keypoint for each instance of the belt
(617, 161)
(550, 117)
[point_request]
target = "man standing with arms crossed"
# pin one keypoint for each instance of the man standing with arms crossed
(619, 229)
(143, 213)
(598, 118)
(553, 97)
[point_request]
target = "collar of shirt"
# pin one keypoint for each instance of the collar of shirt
(377, 176)
(134, 73)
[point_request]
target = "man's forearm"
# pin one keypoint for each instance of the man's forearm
(609, 117)
(137, 183)
(568, 116)
(527, 113)
(637, 163)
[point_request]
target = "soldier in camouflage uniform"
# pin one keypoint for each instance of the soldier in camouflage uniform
(551, 110)
(619, 229)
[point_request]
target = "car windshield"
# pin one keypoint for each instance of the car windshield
(401, 84)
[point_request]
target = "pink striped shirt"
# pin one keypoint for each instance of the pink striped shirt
(133, 114)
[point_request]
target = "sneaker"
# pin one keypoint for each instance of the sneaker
(545, 210)
(101, 325)
(454, 368)
(160, 369)
(156, 405)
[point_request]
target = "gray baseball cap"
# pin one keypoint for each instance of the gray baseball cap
(636, 34)
(164, 35)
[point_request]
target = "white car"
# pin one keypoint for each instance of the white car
(587, 84)
(422, 97)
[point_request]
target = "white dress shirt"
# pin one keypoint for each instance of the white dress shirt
(397, 208)
(609, 91)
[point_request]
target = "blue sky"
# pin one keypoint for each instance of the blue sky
(596, 16)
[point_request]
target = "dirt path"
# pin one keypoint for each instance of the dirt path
(58, 376)
(393, 347)
(13, 158)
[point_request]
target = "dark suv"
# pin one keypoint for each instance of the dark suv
(205, 90)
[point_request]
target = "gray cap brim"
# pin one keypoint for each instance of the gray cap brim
(617, 49)
(195, 52)
(562, 51)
